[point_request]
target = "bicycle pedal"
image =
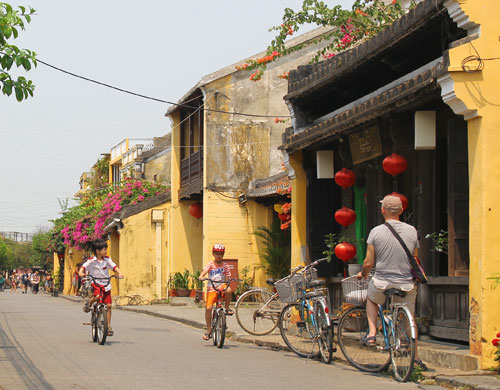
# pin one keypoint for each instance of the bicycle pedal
(334, 349)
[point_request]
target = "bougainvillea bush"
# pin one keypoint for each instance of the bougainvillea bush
(87, 221)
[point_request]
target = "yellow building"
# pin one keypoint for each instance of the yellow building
(424, 89)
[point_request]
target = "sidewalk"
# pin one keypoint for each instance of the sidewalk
(466, 377)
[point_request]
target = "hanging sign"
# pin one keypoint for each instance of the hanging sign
(365, 144)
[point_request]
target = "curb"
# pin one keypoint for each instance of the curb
(487, 382)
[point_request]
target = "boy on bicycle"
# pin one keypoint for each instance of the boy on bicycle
(219, 271)
(98, 267)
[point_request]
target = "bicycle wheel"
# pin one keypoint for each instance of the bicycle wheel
(93, 322)
(102, 326)
(325, 336)
(297, 331)
(214, 333)
(220, 326)
(402, 346)
(353, 325)
(257, 312)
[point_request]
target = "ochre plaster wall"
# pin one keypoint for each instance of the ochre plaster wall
(71, 258)
(137, 254)
(479, 91)
(159, 166)
(299, 206)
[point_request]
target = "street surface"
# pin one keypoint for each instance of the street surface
(44, 346)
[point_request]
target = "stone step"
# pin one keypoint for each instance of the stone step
(448, 355)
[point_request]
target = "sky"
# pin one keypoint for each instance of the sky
(158, 48)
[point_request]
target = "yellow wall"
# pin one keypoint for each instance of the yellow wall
(299, 205)
(71, 258)
(138, 251)
(479, 91)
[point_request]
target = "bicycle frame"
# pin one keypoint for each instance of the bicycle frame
(388, 322)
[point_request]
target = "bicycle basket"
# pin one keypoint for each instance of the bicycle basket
(288, 288)
(308, 276)
(355, 290)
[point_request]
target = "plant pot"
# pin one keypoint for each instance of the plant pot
(183, 292)
(353, 269)
(55, 293)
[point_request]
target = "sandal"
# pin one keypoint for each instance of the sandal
(86, 307)
(207, 336)
(229, 312)
(420, 364)
(110, 332)
(369, 341)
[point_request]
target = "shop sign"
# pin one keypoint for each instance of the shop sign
(365, 145)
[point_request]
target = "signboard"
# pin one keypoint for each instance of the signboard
(233, 267)
(365, 145)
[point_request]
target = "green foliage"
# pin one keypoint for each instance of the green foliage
(100, 173)
(496, 281)
(439, 240)
(246, 279)
(11, 21)
(277, 254)
(180, 280)
(363, 21)
(196, 284)
(14, 254)
(6, 260)
(416, 376)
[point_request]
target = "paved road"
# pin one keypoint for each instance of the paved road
(44, 346)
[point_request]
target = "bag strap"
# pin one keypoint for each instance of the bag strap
(398, 237)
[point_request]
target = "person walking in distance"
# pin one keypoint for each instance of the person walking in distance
(35, 281)
(2, 280)
(98, 267)
(13, 283)
(219, 271)
(392, 267)
(25, 280)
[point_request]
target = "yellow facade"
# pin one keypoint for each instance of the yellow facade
(478, 91)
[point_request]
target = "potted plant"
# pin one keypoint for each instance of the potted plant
(179, 281)
(55, 284)
(197, 286)
(246, 281)
(277, 253)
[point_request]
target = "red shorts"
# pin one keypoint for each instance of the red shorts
(106, 295)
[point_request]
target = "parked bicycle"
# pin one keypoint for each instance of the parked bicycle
(258, 310)
(305, 323)
(98, 316)
(86, 289)
(396, 333)
(218, 322)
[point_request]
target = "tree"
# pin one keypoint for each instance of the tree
(366, 19)
(5, 256)
(11, 21)
(41, 252)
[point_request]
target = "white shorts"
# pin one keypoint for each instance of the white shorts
(377, 287)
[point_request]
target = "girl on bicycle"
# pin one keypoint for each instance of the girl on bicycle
(98, 267)
(216, 270)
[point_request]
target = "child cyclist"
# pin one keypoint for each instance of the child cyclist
(219, 271)
(98, 267)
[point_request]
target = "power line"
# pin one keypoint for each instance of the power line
(156, 99)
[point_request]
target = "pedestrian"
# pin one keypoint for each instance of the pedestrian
(219, 271)
(393, 269)
(99, 267)
(35, 281)
(25, 281)
(75, 281)
(13, 283)
(2, 280)
(48, 283)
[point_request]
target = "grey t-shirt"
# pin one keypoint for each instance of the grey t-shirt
(391, 260)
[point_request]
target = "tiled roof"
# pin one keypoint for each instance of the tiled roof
(269, 186)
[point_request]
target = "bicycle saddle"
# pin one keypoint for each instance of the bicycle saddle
(313, 294)
(316, 283)
(271, 282)
(395, 291)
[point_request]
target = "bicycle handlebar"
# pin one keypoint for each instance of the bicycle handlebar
(108, 279)
(220, 282)
(314, 263)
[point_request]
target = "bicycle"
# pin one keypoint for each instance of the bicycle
(98, 312)
(396, 333)
(86, 289)
(304, 323)
(257, 310)
(218, 321)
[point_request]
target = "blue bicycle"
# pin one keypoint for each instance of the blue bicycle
(304, 323)
(396, 333)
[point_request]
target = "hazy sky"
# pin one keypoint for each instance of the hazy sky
(159, 48)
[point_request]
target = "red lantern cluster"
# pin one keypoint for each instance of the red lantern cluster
(196, 210)
(394, 164)
(345, 216)
(345, 251)
(345, 178)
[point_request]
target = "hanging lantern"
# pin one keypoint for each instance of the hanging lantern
(345, 216)
(404, 199)
(277, 207)
(394, 164)
(345, 251)
(196, 210)
(345, 178)
(284, 217)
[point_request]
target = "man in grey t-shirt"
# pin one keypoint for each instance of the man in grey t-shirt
(392, 266)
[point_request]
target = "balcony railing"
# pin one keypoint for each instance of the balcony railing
(129, 143)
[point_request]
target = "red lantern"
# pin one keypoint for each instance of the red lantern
(394, 164)
(196, 210)
(284, 217)
(404, 199)
(345, 178)
(345, 251)
(345, 216)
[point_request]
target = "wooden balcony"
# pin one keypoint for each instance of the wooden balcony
(192, 174)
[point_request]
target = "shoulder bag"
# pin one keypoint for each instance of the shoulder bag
(416, 269)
